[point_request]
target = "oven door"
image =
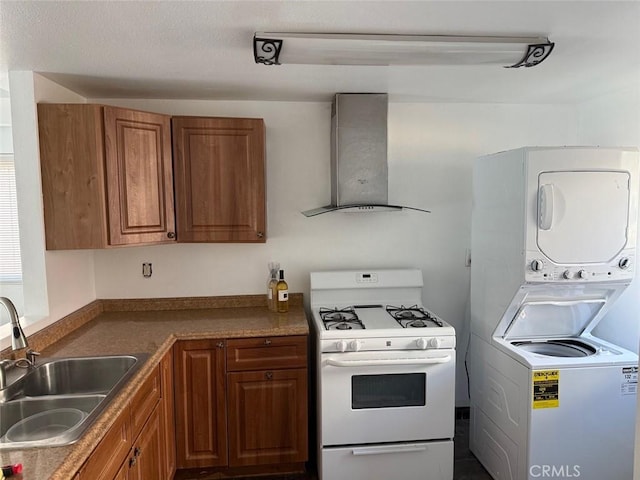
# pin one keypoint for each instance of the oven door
(375, 397)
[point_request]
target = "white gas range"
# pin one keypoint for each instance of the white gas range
(386, 377)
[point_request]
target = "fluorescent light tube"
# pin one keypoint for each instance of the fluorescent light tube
(272, 48)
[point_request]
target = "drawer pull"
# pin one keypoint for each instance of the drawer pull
(267, 342)
(137, 452)
(269, 375)
(220, 344)
(132, 462)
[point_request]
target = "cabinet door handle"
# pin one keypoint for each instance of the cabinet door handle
(267, 342)
(137, 452)
(220, 344)
(268, 375)
(171, 234)
(260, 234)
(132, 462)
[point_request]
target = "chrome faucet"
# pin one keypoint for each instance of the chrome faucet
(18, 341)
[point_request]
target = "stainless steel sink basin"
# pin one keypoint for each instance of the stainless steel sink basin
(72, 376)
(55, 402)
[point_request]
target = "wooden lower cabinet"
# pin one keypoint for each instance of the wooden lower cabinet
(146, 459)
(133, 448)
(240, 395)
(167, 415)
(201, 418)
(104, 463)
(267, 417)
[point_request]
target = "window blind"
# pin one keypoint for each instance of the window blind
(10, 263)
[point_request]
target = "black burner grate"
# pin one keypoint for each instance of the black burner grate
(340, 319)
(412, 317)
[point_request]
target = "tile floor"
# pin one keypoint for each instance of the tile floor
(465, 466)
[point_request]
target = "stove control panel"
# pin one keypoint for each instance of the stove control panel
(382, 344)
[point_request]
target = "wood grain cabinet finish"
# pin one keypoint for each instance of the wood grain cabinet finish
(167, 416)
(133, 448)
(145, 459)
(107, 177)
(219, 168)
(258, 417)
(267, 400)
(267, 417)
(200, 397)
(111, 452)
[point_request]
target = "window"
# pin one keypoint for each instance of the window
(10, 263)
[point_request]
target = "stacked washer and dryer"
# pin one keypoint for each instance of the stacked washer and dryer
(553, 247)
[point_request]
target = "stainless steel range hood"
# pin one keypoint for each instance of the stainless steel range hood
(359, 172)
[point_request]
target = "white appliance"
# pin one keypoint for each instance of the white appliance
(385, 377)
(553, 246)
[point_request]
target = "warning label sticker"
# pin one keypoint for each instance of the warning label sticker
(629, 385)
(546, 388)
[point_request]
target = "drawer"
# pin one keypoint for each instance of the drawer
(263, 353)
(144, 401)
(112, 450)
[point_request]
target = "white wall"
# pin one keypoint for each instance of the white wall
(55, 283)
(431, 153)
(614, 120)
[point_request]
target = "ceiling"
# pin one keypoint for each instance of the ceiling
(203, 50)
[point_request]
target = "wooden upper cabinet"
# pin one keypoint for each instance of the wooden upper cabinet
(107, 177)
(139, 176)
(219, 168)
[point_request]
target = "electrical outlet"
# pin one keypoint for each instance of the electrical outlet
(146, 270)
(467, 257)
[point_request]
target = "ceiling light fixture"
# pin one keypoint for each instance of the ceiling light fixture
(271, 48)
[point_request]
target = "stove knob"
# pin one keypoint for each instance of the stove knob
(435, 343)
(355, 345)
(583, 274)
(566, 274)
(421, 343)
(341, 345)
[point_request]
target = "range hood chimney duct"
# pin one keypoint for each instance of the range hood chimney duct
(359, 171)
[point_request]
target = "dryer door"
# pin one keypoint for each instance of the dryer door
(582, 216)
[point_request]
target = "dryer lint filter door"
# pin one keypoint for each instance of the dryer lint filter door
(582, 216)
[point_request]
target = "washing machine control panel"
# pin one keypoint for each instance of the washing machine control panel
(540, 269)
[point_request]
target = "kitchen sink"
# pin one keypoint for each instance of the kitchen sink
(70, 376)
(55, 402)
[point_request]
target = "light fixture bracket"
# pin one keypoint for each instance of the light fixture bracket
(266, 50)
(535, 55)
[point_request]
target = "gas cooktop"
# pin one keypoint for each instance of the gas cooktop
(379, 305)
(347, 318)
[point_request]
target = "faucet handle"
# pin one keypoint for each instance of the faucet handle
(31, 356)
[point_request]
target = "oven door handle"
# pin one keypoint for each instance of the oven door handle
(387, 362)
(389, 449)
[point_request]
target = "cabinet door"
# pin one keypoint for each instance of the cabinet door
(139, 177)
(167, 417)
(201, 419)
(72, 168)
(219, 179)
(267, 417)
(147, 451)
